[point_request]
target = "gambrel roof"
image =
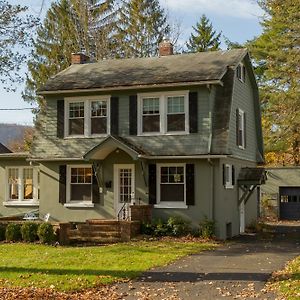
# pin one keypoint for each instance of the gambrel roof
(187, 69)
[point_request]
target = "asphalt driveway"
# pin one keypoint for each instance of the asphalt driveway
(237, 270)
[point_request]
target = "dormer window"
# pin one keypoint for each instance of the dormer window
(163, 113)
(241, 72)
(86, 117)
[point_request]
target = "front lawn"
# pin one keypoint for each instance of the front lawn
(74, 268)
(287, 281)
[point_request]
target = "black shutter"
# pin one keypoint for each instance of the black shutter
(95, 190)
(237, 127)
(62, 183)
(114, 115)
(133, 115)
(152, 183)
(224, 175)
(190, 184)
(245, 130)
(233, 175)
(193, 112)
(60, 118)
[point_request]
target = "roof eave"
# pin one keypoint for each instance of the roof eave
(132, 87)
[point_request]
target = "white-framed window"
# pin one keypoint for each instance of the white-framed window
(241, 129)
(79, 185)
(171, 185)
(228, 178)
(87, 116)
(22, 185)
(163, 113)
(241, 72)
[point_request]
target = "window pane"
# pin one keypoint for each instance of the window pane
(176, 104)
(81, 192)
(76, 110)
(76, 126)
(13, 176)
(99, 108)
(99, 125)
(28, 183)
(151, 123)
(172, 192)
(150, 106)
(176, 122)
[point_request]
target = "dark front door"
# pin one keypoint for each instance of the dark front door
(289, 203)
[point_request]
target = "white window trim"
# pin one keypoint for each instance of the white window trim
(87, 115)
(163, 110)
(169, 204)
(242, 120)
(72, 203)
(21, 202)
(242, 77)
(228, 181)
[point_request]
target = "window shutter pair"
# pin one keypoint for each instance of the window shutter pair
(114, 117)
(190, 184)
(63, 186)
(193, 113)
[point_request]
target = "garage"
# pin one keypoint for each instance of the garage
(289, 206)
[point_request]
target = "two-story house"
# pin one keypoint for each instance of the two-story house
(179, 132)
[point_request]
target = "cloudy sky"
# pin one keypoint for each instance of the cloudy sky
(237, 19)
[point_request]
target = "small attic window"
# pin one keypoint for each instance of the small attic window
(241, 72)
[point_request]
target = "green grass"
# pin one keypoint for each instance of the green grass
(287, 281)
(75, 268)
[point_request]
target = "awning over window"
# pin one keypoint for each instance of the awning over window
(252, 176)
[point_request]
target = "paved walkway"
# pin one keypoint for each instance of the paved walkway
(237, 270)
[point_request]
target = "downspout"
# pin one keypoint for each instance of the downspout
(212, 185)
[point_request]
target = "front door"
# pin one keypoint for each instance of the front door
(124, 188)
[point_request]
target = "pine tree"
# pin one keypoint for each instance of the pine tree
(205, 37)
(16, 30)
(142, 26)
(277, 56)
(69, 26)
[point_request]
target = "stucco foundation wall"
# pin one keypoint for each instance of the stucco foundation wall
(10, 211)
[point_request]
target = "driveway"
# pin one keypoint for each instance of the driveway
(237, 270)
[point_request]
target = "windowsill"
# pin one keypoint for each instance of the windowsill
(85, 136)
(20, 203)
(229, 187)
(163, 134)
(79, 205)
(241, 80)
(171, 205)
(242, 147)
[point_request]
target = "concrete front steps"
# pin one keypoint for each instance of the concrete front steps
(98, 231)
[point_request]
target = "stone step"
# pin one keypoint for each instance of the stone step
(94, 234)
(100, 240)
(102, 222)
(99, 227)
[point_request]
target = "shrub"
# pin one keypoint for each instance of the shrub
(207, 228)
(178, 226)
(2, 232)
(147, 228)
(13, 232)
(160, 228)
(46, 233)
(29, 231)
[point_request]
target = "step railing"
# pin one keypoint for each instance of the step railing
(124, 212)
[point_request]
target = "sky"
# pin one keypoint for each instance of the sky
(237, 19)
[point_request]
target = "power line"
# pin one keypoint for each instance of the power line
(24, 108)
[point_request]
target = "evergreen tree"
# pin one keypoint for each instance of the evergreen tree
(205, 37)
(69, 26)
(277, 59)
(142, 26)
(15, 29)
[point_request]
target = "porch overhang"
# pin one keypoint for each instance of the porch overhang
(248, 180)
(111, 144)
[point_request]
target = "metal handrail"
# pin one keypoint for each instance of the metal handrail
(123, 210)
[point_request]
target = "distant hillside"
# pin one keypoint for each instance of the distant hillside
(11, 133)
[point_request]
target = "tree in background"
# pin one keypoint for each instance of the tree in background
(205, 37)
(69, 26)
(15, 32)
(142, 26)
(277, 60)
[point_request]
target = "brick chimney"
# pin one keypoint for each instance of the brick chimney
(79, 58)
(165, 48)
